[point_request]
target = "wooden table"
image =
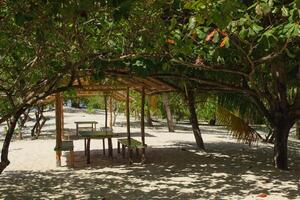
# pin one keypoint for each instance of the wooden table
(92, 123)
(88, 135)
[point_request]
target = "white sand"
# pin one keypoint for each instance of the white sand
(175, 169)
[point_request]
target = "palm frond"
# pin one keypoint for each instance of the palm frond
(246, 109)
(237, 127)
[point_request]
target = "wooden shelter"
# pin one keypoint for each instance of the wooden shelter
(117, 85)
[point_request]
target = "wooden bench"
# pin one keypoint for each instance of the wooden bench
(67, 145)
(134, 144)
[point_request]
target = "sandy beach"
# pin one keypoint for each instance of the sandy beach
(174, 169)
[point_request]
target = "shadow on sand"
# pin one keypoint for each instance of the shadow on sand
(169, 173)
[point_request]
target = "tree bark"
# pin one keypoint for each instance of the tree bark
(22, 122)
(4, 153)
(149, 119)
(168, 113)
(194, 119)
(298, 130)
(281, 133)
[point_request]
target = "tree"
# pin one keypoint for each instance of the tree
(190, 98)
(254, 51)
(298, 130)
(43, 47)
(170, 122)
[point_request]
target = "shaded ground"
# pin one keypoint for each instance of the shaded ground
(174, 170)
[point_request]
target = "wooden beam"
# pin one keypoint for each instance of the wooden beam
(128, 126)
(58, 121)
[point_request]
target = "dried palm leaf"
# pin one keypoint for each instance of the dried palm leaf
(237, 127)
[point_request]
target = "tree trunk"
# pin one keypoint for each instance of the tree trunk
(281, 133)
(115, 113)
(149, 119)
(4, 153)
(168, 112)
(298, 130)
(194, 119)
(22, 122)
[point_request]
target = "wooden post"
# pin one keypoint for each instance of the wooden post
(62, 117)
(118, 147)
(105, 104)
(103, 144)
(58, 121)
(128, 127)
(110, 112)
(85, 146)
(88, 151)
(143, 123)
(72, 158)
(110, 149)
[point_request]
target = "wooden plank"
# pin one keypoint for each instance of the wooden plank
(133, 143)
(86, 122)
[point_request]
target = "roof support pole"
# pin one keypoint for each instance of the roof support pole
(128, 126)
(110, 112)
(105, 107)
(58, 121)
(62, 117)
(143, 122)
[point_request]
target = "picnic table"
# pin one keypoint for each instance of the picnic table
(104, 133)
(92, 123)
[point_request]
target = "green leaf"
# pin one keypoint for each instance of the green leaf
(243, 33)
(263, 9)
(285, 11)
(216, 37)
(256, 28)
(201, 34)
(192, 23)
